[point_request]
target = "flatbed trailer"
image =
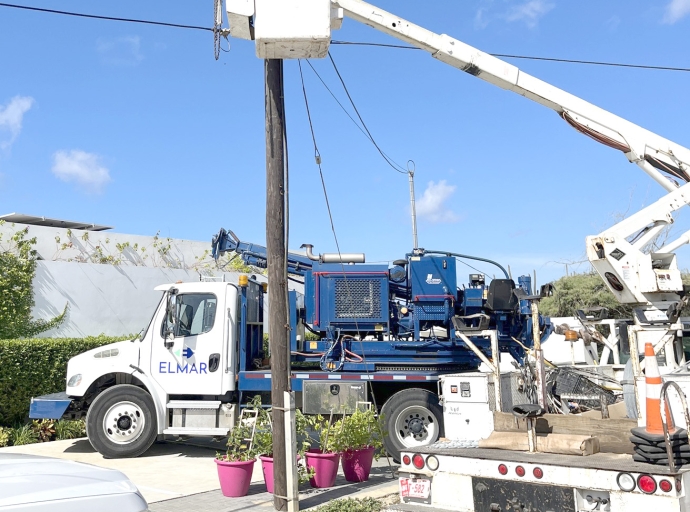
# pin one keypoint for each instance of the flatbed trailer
(492, 480)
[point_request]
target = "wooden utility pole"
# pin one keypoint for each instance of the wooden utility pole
(277, 272)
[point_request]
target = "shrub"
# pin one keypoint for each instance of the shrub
(352, 505)
(23, 435)
(580, 291)
(34, 367)
(69, 429)
(45, 429)
(17, 269)
(4, 436)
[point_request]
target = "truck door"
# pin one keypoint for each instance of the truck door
(193, 361)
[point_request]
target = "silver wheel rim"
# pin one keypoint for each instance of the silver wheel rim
(416, 426)
(124, 423)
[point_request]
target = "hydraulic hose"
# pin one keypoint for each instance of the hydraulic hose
(477, 258)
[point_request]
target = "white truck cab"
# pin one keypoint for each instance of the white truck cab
(176, 378)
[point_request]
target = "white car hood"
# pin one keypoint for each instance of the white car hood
(28, 479)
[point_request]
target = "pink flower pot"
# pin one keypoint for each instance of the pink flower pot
(267, 467)
(235, 477)
(357, 464)
(325, 468)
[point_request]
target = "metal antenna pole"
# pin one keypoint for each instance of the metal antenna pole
(413, 208)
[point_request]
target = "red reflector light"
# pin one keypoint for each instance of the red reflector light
(418, 461)
(665, 485)
(406, 459)
(646, 484)
(503, 469)
(679, 486)
(538, 473)
(520, 471)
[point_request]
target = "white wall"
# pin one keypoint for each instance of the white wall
(108, 278)
(108, 299)
(60, 244)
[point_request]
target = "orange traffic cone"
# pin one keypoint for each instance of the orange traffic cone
(653, 391)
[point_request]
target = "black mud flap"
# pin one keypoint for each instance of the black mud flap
(491, 495)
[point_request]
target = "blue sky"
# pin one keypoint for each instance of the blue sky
(140, 128)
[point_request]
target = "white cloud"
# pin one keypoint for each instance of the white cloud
(123, 51)
(480, 19)
(613, 22)
(432, 204)
(81, 167)
(11, 117)
(530, 12)
(675, 10)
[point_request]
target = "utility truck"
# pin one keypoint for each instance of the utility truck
(634, 271)
(381, 333)
(389, 331)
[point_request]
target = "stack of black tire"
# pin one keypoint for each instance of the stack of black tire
(651, 448)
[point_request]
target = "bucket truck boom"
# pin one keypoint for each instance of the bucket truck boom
(285, 29)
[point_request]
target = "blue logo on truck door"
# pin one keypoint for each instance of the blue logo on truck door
(168, 367)
(187, 352)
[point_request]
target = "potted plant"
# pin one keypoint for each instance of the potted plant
(323, 462)
(361, 437)
(263, 442)
(236, 465)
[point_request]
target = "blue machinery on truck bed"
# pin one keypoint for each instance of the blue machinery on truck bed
(375, 322)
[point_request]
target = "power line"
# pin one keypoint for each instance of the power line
(350, 43)
(390, 162)
(592, 62)
(529, 57)
(367, 135)
(109, 18)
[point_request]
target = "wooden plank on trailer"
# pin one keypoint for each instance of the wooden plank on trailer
(607, 430)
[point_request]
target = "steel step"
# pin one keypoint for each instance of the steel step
(193, 404)
(182, 431)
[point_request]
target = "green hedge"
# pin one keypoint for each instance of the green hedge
(38, 366)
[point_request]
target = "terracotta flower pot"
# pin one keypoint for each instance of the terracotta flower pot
(325, 468)
(357, 464)
(235, 477)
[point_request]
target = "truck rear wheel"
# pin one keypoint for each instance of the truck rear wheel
(413, 419)
(121, 422)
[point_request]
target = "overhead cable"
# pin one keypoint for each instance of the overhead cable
(109, 18)
(359, 127)
(390, 162)
(528, 57)
(351, 43)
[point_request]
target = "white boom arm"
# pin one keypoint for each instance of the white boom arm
(286, 29)
(649, 150)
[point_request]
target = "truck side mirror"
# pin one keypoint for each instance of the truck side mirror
(169, 338)
(170, 317)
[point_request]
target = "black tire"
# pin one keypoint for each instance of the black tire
(127, 408)
(413, 419)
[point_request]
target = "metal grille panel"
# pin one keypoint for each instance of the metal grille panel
(427, 312)
(358, 298)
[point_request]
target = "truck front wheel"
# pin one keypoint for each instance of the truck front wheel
(413, 419)
(121, 422)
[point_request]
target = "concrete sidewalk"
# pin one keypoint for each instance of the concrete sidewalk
(181, 476)
(379, 485)
(166, 470)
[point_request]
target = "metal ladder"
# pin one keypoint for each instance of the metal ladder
(247, 415)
